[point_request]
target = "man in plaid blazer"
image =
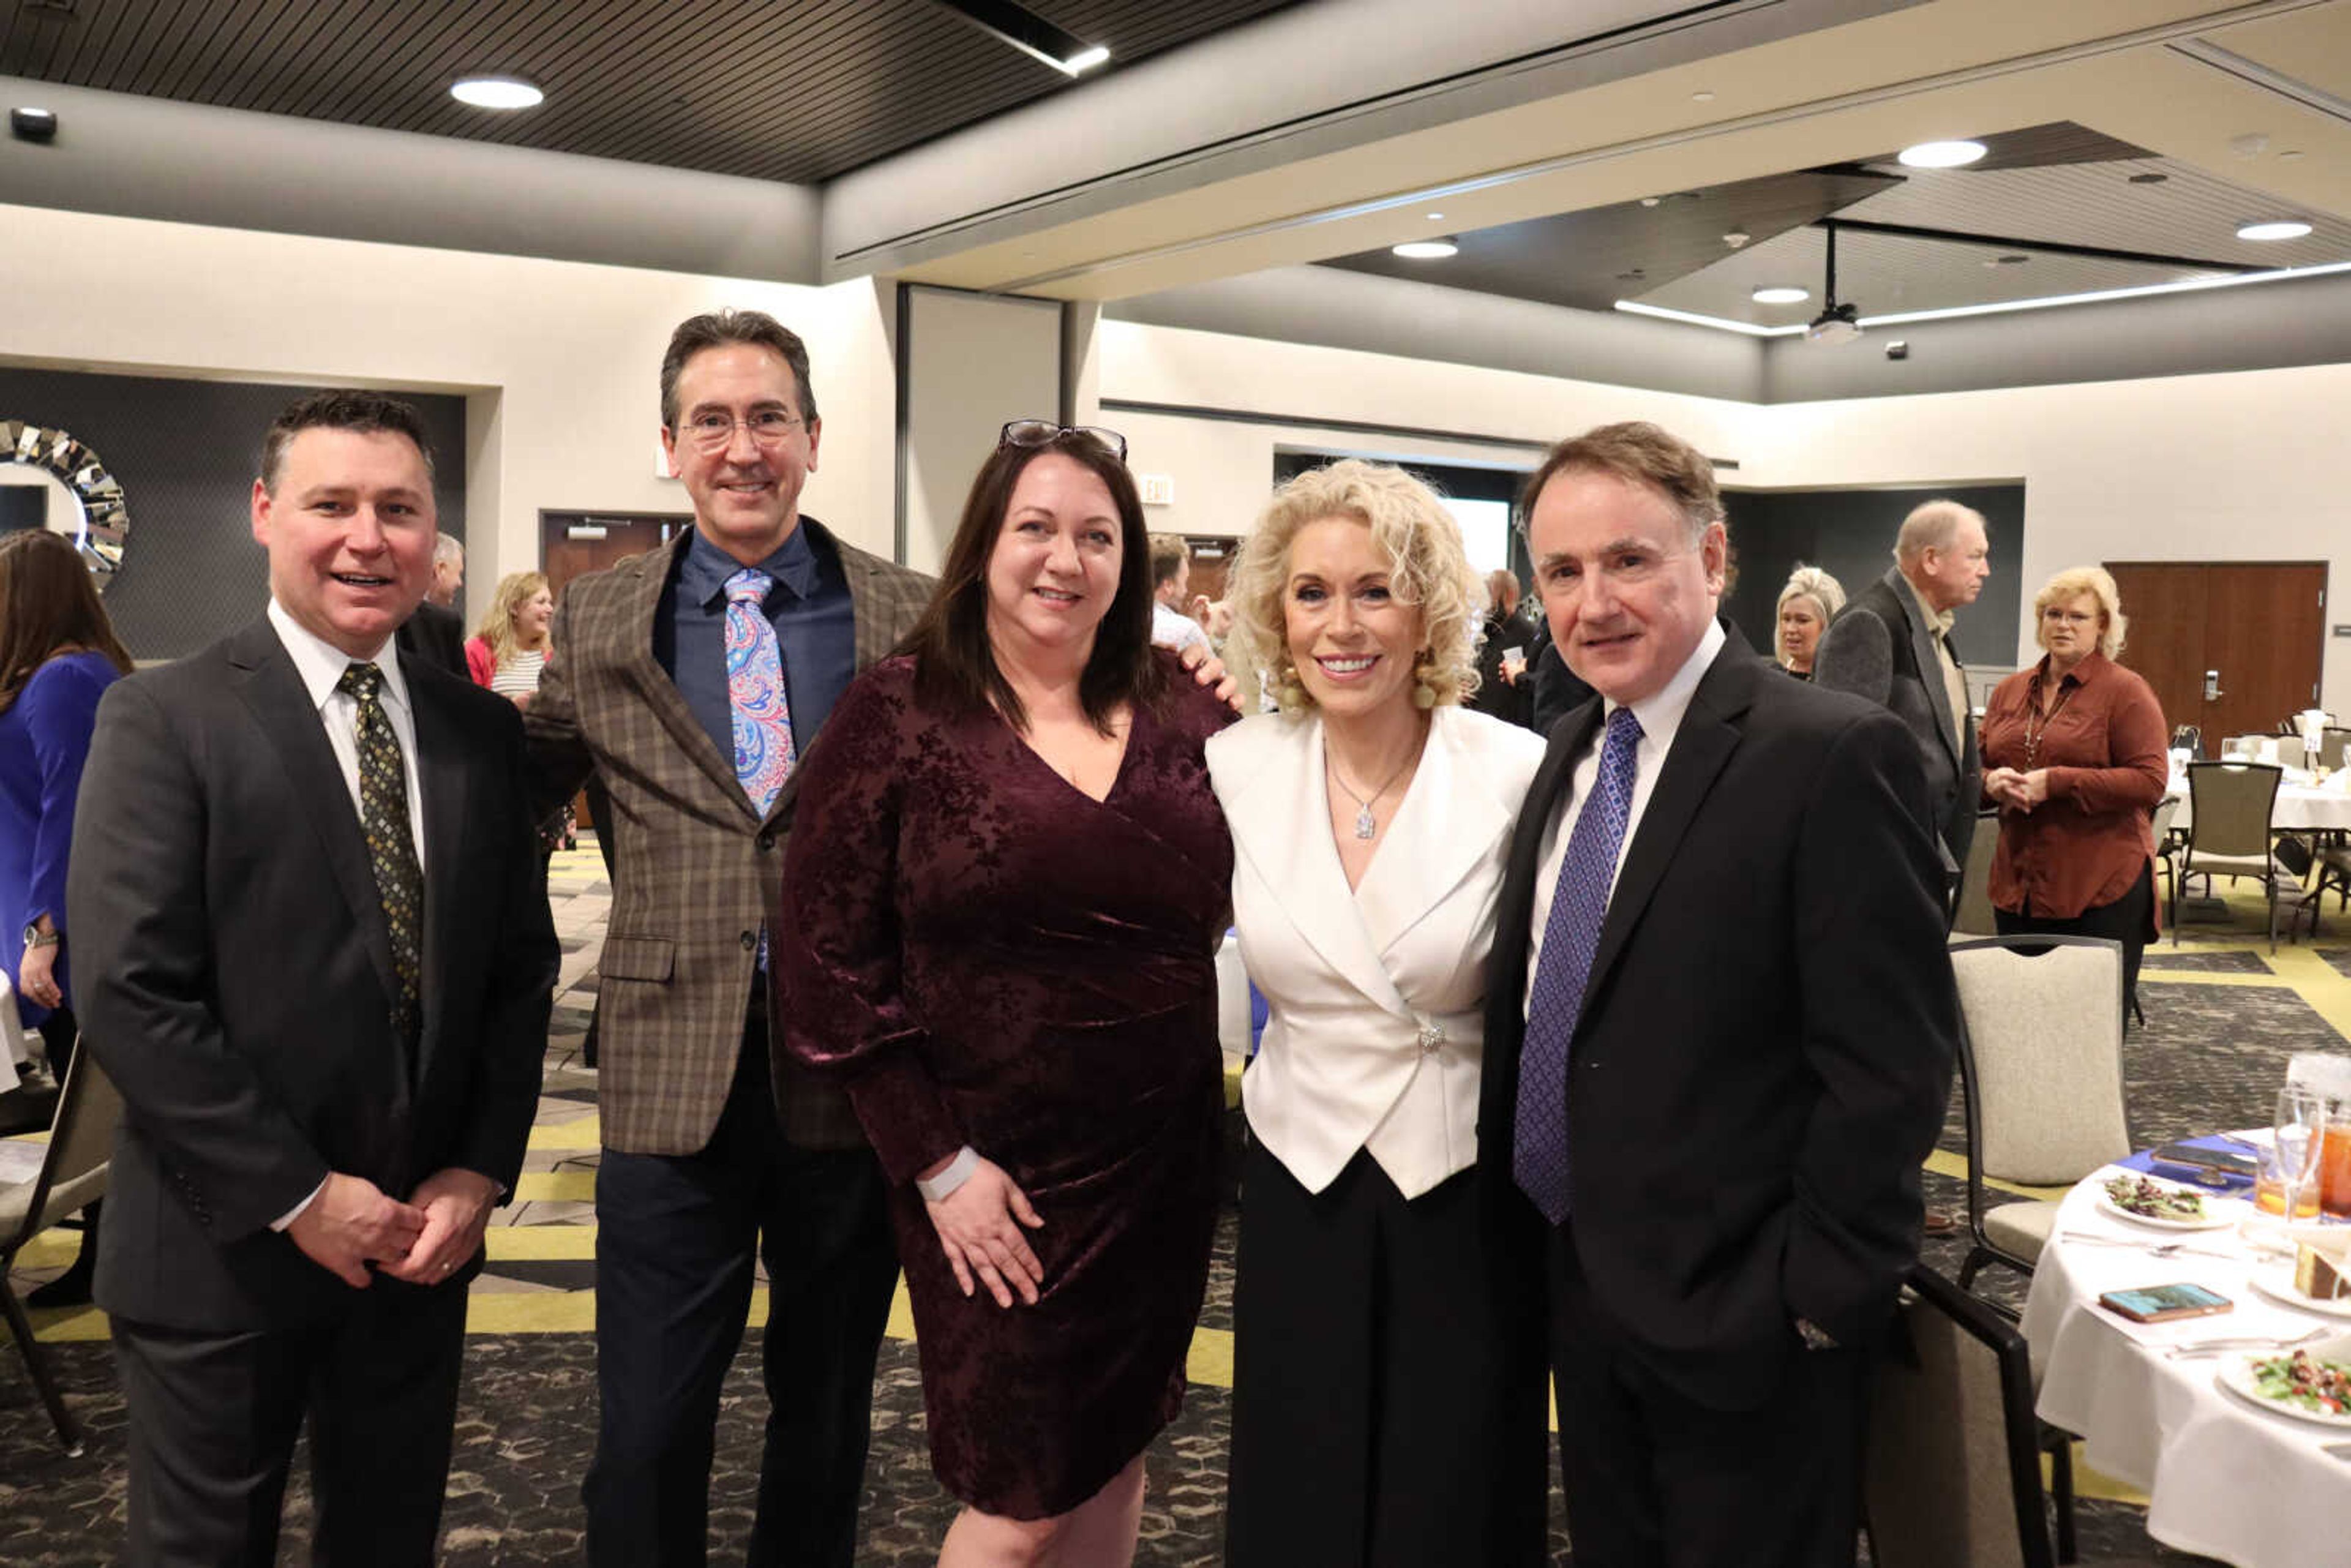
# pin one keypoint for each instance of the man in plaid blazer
(715, 1145)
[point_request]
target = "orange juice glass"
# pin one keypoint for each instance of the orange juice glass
(2334, 1165)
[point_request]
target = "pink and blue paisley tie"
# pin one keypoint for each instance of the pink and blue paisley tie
(755, 691)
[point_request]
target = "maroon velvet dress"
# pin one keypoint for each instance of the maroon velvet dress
(986, 955)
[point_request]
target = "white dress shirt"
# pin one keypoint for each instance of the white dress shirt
(1376, 994)
(320, 664)
(1660, 714)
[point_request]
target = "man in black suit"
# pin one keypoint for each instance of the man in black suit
(1720, 1034)
(1892, 645)
(436, 634)
(315, 959)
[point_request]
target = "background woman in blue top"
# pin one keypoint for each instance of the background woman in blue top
(58, 654)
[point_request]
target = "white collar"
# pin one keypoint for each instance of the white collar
(1661, 711)
(321, 665)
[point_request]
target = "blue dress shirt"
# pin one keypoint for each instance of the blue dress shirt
(815, 622)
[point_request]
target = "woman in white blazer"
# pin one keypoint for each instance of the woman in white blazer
(1384, 1409)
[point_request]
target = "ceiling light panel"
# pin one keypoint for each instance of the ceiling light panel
(2273, 229)
(1426, 249)
(489, 91)
(1942, 154)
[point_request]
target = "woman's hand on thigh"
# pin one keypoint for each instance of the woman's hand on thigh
(979, 1226)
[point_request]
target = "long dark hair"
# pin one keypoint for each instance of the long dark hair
(46, 602)
(955, 666)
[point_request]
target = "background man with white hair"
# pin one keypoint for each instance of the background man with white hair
(1892, 645)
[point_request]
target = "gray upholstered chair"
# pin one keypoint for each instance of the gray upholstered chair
(2229, 833)
(2041, 1076)
(72, 1176)
(1951, 1472)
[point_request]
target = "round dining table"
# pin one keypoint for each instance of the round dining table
(2299, 808)
(2224, 1476)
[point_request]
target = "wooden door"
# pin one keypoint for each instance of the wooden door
(573, 543)
(1212, 563)
(2229, 647)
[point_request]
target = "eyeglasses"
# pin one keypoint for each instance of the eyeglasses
(713, 429)
(1045, 432)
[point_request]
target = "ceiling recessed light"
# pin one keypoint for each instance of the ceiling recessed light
(1701, 97)
(2151, 178)
(2274, 228)
(1425, 249)
(1436, 217)
(1781, 293)
(1941, 154)
(497, 92)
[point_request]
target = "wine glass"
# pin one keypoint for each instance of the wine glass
(2299, 1129)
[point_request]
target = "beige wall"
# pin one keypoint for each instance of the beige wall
(560, 359)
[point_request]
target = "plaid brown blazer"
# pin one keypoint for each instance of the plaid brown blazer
(696, 871)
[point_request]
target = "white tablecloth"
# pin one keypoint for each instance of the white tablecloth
(2223, 1479)
(2298, 806)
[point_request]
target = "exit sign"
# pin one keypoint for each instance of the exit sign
(1159, 490)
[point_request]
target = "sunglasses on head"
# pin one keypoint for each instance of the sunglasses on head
(1045, 432)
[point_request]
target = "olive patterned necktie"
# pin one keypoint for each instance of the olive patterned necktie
(391, 843)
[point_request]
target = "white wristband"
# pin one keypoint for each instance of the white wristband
(940, 1188)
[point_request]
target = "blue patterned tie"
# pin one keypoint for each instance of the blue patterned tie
(764, 757)
(1539, 1158)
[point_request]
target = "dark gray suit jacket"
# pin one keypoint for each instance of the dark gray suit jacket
(1880, 647)
(234, 976)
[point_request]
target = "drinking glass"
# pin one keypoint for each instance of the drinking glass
(2289, 1164)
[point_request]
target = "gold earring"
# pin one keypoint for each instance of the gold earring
(1289, 691)
(1424, 690)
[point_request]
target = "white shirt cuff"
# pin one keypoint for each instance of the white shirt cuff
(295, 1213)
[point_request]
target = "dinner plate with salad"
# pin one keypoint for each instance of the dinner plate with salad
(2143, 1200)
(2310, 1382)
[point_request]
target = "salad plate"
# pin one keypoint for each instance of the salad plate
(2309, 1384)
(2166, 1206)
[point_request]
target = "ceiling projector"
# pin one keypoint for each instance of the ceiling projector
(1837, 324)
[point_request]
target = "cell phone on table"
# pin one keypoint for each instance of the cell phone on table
(2161, 1303)
(2221, 1162)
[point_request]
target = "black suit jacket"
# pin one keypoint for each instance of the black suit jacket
(234, 975)
(436, 635)
(1767, 1039)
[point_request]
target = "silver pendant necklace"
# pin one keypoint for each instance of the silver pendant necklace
(1365, 825)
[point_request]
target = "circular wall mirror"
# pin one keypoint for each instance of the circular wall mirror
(89, 513)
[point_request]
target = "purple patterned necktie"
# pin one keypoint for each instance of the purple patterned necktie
(1539, 1157)
(755, 691)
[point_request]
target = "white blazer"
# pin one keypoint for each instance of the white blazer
(1377, 996)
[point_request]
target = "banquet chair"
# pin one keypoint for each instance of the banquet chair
(1972, 915)
(2334, 748)
(72, 1177)
(2230, 805)
(1951, 1471)
(2041, 1080)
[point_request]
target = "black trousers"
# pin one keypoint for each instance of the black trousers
(2125, 921)
(674, 1241)
(1380, 1414)
(212, 1418)
(1656, 1480)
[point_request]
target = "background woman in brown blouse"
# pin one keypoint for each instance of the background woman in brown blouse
(2073, 758)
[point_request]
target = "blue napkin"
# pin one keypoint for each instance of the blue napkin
(2211, 1181)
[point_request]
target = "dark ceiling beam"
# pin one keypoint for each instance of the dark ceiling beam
(2051, 247)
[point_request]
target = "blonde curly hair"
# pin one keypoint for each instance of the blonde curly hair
(1409, 525)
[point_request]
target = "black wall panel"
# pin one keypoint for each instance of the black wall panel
(1850, 535)
(186, 452)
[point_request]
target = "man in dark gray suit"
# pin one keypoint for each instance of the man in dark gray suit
(1892, 645)
(315, 955)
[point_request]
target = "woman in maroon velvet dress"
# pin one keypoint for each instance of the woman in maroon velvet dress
(1008, 878)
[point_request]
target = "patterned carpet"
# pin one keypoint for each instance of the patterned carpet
(2222, 1018)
